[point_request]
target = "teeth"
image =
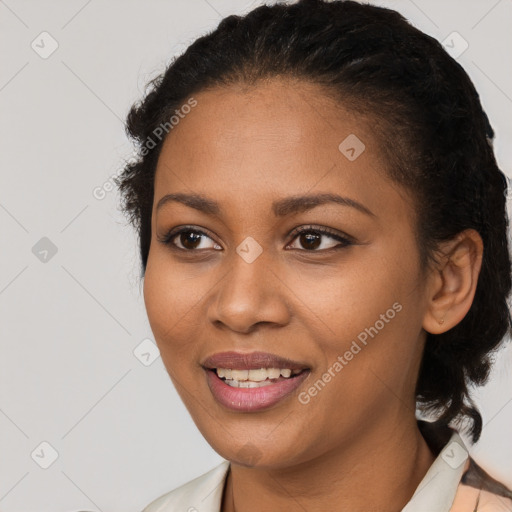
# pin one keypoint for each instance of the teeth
(273, 373)
(239, 374)
(257, 375)
(254, 376)
(247, 383)
(224, 372)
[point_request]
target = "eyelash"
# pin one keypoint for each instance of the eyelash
(346, 241)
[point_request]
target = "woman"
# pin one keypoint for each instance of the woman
(323, 237)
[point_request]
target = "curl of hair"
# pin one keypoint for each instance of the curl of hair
(428, 121)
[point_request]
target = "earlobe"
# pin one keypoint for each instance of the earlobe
(452, 285)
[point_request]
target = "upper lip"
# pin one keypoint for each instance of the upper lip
(250, 361)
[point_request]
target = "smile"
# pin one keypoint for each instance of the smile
(250, 382)
(254, 378)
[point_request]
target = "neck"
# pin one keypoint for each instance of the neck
(380, 470)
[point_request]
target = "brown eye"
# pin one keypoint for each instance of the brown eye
(188, 239)
(312, 239)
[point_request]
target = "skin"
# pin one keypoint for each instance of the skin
(356, 445)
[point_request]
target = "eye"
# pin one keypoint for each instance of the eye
(189, 238)
(310, 237)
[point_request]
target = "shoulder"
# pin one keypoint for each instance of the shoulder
(466, 485)
(204, 493)
(478, 491)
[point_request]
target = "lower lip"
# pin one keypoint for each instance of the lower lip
(252, 399)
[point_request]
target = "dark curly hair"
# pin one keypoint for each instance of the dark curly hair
(429, 124)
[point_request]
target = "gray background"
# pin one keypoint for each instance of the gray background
(71, 321)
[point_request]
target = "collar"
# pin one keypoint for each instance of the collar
(437, 489)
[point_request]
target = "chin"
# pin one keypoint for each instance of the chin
(265, 454)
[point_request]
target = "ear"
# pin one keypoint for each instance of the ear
(452, 283)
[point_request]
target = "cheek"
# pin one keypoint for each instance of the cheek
(170, 300)
(170, 292)
(371, 313)
(158, 298)
(382, 325)
(345, 299)
(169, 304)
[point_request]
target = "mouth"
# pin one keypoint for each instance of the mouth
(254, 381)
(255, 378)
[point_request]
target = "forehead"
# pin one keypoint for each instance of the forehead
(277, 114)
(275, 138)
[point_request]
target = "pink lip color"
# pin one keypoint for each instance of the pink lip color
(252, 399)
(250, 361)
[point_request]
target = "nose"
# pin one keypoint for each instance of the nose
(250, 293)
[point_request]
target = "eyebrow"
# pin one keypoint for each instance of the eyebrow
(280, 208)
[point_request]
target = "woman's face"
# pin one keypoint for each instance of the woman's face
(346, 307)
